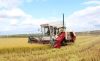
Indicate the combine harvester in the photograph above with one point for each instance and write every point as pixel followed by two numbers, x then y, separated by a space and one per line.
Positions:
pixel 54 34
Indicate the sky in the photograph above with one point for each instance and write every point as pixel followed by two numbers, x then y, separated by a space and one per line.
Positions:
pixel 25 16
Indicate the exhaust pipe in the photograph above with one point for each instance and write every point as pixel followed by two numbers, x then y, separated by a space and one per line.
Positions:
pixel 63 21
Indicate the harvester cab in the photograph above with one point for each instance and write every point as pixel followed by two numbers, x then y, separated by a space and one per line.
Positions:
pixel 47 31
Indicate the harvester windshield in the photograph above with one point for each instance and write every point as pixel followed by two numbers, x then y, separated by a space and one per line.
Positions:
pixel 48 30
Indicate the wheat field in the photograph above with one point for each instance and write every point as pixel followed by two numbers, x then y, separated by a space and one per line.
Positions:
pixel 86 48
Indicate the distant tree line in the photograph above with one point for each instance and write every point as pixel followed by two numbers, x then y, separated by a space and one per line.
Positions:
pixel 18 35
pixel 96 32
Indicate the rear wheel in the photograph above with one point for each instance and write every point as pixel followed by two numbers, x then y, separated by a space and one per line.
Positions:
pixel 63 43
